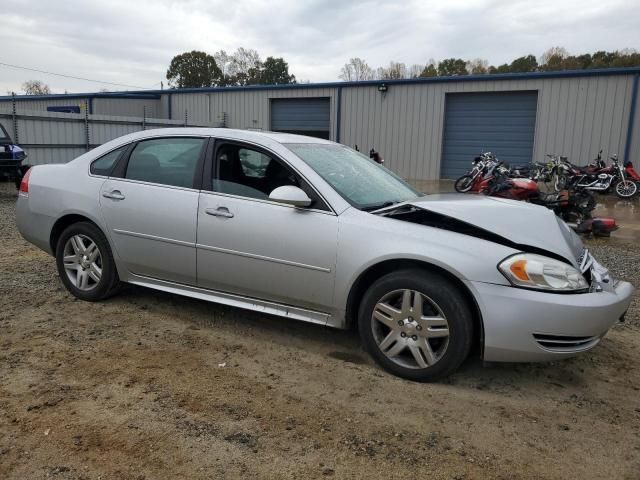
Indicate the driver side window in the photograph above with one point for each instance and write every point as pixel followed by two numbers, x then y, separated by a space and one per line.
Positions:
pixel 249 172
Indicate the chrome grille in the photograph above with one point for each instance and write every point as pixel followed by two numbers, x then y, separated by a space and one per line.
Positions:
pixel 585 261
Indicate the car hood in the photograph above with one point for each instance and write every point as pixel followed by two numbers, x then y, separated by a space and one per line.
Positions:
pixel 520 223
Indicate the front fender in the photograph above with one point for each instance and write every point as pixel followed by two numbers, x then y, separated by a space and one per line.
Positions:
pixel 369 241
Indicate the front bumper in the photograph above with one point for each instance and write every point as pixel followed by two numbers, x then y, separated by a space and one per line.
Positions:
pixel 563 324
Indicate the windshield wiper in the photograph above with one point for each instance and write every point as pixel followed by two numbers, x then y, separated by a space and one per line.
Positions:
pixel 377 206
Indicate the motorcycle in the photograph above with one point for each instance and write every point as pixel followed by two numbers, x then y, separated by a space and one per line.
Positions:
pixel 630 172
pixel 482 166
pixel 574 206
pixel 598 177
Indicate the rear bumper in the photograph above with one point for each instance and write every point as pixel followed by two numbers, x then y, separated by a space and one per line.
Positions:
pixel 34 227
pixel 563 324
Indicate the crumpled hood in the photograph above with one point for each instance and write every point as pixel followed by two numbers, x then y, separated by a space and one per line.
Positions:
pixel 519 222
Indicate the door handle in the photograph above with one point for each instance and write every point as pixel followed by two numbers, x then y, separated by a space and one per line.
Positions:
pixel 114 195
pixel 219 212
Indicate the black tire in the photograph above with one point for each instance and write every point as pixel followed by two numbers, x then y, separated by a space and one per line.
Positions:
pixel 463 184
pixel 109 281
pixel 450 301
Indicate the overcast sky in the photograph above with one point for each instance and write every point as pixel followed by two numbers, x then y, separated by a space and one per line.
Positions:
pixel 132 41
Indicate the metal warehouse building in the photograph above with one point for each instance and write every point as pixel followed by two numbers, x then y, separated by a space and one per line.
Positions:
pixel 425 128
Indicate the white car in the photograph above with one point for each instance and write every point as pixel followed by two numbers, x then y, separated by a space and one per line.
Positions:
pixel 312 230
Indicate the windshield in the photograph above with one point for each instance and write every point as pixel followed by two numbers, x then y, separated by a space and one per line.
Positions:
pixel 358 179
pixel 4 136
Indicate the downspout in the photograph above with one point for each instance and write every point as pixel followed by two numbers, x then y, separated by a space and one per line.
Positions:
pixel 169 105
pixel 338 113
pixel 632 117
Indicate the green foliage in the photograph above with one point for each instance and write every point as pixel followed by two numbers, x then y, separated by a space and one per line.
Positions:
pixel 452 66
pixel 192 70
pixel 527 63
pixel 243 67
pixel 429 71
pixel 273 71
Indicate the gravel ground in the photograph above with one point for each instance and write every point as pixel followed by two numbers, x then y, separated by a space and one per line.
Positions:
pixel 149 385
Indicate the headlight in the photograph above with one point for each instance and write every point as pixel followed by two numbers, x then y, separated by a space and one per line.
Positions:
pixel 535 271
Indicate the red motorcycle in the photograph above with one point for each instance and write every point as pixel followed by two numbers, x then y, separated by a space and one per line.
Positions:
pixel 573 206
pixel 630 173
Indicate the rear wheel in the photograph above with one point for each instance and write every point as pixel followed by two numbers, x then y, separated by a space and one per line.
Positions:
pixel 85 262
pixel 626 188
pixel 463 184
pixel 416 324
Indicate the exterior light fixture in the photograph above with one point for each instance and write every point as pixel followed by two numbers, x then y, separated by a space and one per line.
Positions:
pixel 383 87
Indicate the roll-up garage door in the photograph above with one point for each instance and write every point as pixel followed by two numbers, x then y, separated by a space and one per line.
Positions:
pixel 304 116
pixel 499 122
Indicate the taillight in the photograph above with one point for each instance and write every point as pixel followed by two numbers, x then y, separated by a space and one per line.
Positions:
pixel 24 184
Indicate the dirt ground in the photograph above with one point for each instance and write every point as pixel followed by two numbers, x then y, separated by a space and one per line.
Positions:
pixel 149 386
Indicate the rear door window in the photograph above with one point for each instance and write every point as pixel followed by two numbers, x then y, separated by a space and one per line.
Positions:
pixel 166 161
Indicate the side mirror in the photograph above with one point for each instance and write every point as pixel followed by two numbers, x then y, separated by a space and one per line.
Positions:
pixel 290 195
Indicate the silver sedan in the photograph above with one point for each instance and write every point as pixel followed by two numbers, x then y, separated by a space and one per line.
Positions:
pixel 312 230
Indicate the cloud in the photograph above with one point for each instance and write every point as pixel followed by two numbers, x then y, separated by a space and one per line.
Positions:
pixel 132 42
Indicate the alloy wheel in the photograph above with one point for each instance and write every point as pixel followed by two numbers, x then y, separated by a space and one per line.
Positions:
pixel 410 329
pixel 82 262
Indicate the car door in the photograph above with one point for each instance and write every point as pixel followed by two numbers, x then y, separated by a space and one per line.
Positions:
pixel 150 206
pixel 251 246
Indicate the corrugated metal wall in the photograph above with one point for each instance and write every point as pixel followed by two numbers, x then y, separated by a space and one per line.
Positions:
pixel 50 137
pixel 43 104
pixel 127 107
pixel 243 109
pixel 576 117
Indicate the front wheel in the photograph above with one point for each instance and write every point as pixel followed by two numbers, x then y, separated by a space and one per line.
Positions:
pixel 464 184
pixel 626 188
pixel 85 262
pixel 416 325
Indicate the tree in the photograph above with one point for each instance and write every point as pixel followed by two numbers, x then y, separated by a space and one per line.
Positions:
pixel 477 66
pixel 415 70
pixel 223 61
pixel 504 68
pixel 430 69
pixel 244 63
pixel 192 70
pixel 452 66
pixel 395 71
pixel 274 71
pixel 553 59
pixel 35 87
pixel 527 63
pixel 356 70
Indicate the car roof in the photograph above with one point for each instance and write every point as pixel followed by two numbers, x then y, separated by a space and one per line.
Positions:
pixel 231 133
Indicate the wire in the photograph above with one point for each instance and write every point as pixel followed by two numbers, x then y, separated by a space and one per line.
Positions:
pixel 71 76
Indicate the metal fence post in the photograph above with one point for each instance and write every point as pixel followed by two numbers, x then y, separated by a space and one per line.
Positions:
pixel 14 117
pixel 86 124
pixel 144 117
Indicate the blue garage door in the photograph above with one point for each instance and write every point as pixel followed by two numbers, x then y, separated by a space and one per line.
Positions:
pixel 502 123
pixel 304 116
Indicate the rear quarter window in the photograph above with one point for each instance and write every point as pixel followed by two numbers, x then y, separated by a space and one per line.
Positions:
pixel 104 165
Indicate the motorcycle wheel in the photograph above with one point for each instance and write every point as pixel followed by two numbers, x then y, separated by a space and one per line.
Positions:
pixel 463 184
pixel 626 188
pixel 559 182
